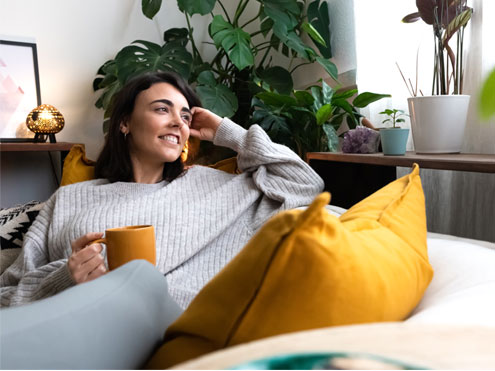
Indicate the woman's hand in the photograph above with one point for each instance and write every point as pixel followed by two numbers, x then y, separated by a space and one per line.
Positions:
pixel 204 124
pixel 86 263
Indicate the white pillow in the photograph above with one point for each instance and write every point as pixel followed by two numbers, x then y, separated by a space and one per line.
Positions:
pixel 463 287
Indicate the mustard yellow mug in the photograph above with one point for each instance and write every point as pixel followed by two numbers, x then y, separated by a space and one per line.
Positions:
pixel 129 243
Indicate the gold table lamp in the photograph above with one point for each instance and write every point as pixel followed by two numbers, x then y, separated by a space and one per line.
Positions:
pixel 44 120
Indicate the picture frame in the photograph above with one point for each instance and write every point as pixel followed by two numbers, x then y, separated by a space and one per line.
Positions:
pixel 19 89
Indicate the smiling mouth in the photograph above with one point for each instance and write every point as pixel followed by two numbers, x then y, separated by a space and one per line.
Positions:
pixel 170 138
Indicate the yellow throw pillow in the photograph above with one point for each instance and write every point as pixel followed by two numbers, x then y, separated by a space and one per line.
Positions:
pixel 228 165
pixel 310 269
pixel 77 167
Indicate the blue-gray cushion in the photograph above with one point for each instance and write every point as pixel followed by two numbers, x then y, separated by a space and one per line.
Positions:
pixel 113 322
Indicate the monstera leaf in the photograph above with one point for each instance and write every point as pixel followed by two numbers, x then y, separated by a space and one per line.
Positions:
pixel 234 41
pixel 181 35
pixel 144 56
pixel 282 12
pixel 191 7
pixel 214 96
pixel 271 121
pixel 110 83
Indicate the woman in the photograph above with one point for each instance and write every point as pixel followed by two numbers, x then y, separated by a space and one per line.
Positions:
pixel 202 216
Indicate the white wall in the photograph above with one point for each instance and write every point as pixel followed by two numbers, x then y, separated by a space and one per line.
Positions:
pixel 74 38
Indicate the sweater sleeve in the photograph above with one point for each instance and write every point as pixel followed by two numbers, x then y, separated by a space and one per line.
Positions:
pixel 33 276
pixel 277 171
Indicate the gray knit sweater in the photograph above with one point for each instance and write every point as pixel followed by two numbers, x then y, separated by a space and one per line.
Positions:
pixel 202 218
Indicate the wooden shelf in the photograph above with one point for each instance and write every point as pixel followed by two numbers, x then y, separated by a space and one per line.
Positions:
pixel 36 147
pixel 458 161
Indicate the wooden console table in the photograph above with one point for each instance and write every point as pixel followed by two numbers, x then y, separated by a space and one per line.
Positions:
pixel 350 177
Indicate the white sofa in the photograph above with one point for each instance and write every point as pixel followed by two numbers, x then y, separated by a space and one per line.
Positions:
pixel 462 293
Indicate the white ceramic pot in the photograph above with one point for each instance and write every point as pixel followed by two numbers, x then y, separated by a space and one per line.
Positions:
pixel 438 122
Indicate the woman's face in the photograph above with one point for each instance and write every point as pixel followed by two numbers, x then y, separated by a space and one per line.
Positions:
pixel 159 124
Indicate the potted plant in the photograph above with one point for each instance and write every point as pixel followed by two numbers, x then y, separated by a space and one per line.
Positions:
pixel 438 121
pixel 241 80
pixel 394 139
pixel 243 64
pixel 308 120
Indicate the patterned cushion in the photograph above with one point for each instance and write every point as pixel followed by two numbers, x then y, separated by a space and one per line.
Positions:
pixel 14 223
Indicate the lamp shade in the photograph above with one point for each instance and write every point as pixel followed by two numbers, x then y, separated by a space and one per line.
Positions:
pixel 45 119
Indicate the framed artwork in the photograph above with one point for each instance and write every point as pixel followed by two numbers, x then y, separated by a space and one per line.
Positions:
pixel 19 89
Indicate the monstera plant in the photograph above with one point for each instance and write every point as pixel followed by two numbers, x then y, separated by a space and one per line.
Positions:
pixel 243 62
pixel 241 81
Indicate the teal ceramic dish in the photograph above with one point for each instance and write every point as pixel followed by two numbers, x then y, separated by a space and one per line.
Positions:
pixel 326 361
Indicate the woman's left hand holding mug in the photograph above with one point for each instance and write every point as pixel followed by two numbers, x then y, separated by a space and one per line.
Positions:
pixel 86 261
pixel 204 124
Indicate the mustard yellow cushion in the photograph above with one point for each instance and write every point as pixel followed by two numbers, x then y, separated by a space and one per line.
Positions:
pixel 77 167
pixel 310 269
pixel 228 165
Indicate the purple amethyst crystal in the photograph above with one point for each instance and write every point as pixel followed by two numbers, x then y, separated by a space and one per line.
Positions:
pixel 361 140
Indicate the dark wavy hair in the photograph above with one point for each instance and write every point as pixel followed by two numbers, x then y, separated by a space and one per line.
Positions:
pixel 114 161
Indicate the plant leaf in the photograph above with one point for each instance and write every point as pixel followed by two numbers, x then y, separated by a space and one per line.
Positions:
pixel 136 59
pixel 317 96
pixel 363 99
pixel 330 67
pixel 275 99
pixel 278 78
pixel 320 20
pixel 192 7
pixel 294 42
pixel 327 93
pixel 283 12
pixel 207 78
pixel 304 98
pixel 332 137
pixel 234 41
pixel 150 7
pixel 487 97
pixel 426 9
pixel 274 124
pixel 460 21
pixel 344 104
pixel 323 114
pixel 180 35
pixel 311 31
pixel 214 96
pixel 410 18
pixel 345 94
pixel 266 26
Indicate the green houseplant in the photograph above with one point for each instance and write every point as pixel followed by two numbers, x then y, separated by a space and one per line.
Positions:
pixel 308 120
pixel 241 81
pixel 242 65
pixel 438 121
pixel 394 139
